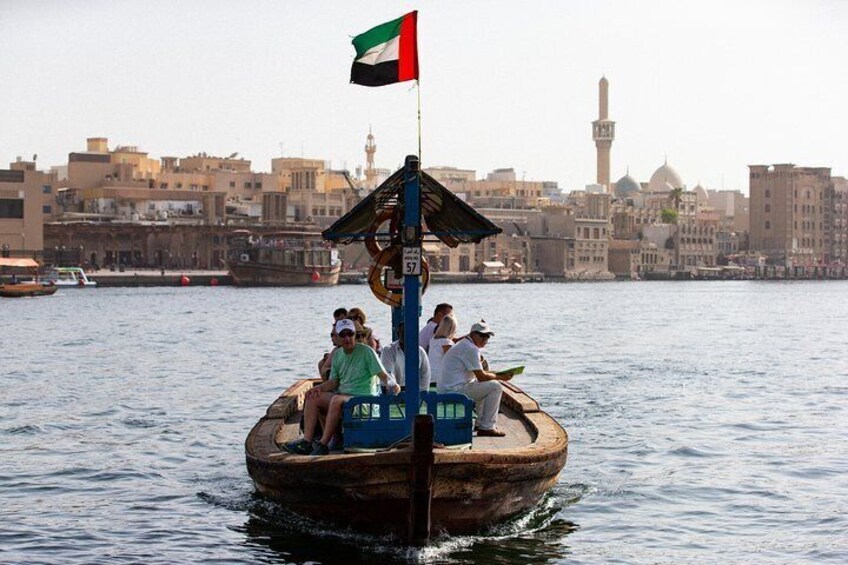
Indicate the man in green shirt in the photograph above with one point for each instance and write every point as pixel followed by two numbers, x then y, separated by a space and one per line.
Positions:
pixel 354 372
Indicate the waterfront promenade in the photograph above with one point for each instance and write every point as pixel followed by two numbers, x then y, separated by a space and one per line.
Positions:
pixel 156 277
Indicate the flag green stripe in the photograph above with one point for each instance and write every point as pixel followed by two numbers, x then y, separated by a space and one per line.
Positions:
pixel 375 36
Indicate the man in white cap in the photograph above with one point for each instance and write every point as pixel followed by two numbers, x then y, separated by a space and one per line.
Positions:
pixel 462 371
pixel 353 373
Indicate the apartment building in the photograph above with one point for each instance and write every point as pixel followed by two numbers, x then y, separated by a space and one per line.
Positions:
pixel 791 213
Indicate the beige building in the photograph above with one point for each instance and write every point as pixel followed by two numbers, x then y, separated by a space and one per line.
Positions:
pixel 297 173
pixel 791 213
pixel 839 245
pixel 449 176
pixel 637 259
pixel 26 199
pixel 572 241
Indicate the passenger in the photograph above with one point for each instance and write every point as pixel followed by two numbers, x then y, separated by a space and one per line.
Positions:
pixel 394 361
pixel 326 362
pixel 358 315
pixel 462 371
pixel 443 340
pixel 353 373
pixel 426 333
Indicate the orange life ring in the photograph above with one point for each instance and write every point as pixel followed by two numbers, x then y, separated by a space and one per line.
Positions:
pixel 384 260
pixel 371 244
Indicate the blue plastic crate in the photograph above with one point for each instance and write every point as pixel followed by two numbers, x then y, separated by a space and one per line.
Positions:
pixel 371 422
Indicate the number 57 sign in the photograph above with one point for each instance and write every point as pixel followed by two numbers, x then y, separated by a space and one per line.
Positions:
pixel 412 261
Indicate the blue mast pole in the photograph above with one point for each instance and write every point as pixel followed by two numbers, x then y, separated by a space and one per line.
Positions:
pixel 411 237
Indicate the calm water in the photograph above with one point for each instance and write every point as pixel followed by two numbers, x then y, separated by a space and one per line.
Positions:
pixel 708 422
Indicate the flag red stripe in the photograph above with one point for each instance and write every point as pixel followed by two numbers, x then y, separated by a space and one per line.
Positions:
pixel 408 50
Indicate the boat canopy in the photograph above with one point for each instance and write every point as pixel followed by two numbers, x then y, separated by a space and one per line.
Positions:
pixel 447 217
pixel 23 263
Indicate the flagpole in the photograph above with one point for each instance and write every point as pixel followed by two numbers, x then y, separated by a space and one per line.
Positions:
pixel 418 84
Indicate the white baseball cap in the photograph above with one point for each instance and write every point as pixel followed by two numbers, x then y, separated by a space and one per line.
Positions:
pixel 345 324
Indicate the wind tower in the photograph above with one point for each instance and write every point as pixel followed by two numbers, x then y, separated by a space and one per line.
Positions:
pixel 603 132
pixel 370 171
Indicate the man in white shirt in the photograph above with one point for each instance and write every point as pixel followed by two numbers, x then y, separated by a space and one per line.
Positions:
pixel 462 371
pixel 426 333
pixel 394 361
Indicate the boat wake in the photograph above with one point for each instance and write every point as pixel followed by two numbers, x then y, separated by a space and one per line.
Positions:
pixel 535 535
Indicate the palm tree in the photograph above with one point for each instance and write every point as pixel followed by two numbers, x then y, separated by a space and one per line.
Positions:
pixel 676 195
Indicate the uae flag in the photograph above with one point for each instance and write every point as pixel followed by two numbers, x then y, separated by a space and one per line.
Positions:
pixel 387 53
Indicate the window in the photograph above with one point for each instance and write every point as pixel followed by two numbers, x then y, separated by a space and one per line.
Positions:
pixel 179 185
pixel 11 208
pixel 232 184
pixel 247 185
pixel 46 189
pixel 257 185
pixel 163 185
pixel 768 207
pixel 768 225
pixel 46 209
pixel 768 193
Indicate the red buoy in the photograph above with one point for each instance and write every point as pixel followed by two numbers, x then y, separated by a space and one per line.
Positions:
pixel 214 281
pixel 316 276
pixel 184 280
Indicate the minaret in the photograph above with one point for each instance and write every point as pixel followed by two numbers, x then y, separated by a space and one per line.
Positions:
pixel 603 132
pixel 370 171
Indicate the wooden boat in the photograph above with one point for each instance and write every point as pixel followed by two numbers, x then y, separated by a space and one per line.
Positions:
pixel 290 258
pixel 495 479
pixel 27 288
pixel 460 485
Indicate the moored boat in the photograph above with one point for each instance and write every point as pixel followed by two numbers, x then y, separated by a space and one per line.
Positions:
pixel 29 288
pixel 289 258
pixel 16 289
pixel 70 277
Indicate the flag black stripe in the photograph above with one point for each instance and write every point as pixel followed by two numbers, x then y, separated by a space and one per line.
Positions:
pixel 374 75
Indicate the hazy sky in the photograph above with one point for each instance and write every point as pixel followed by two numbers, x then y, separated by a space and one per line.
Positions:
pixel 713 85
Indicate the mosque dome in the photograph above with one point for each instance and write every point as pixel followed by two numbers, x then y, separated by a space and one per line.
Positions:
pixel 663 176
pixel 626 185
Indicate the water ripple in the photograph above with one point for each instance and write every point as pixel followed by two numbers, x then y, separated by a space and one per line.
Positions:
pixel 692 439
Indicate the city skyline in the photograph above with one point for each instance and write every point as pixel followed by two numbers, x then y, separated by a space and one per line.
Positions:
pixel 711 88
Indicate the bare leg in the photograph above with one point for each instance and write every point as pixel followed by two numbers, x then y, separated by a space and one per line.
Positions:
pixel 314 406
pixel 334 416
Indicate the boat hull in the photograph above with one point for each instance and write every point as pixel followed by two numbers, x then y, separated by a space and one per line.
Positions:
pixel 251 273
pixel 472 489
pixel 26 289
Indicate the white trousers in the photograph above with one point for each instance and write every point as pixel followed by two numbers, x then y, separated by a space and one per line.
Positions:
pixel 487 398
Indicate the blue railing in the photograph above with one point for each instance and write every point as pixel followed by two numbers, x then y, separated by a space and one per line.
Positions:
pixel 371 422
